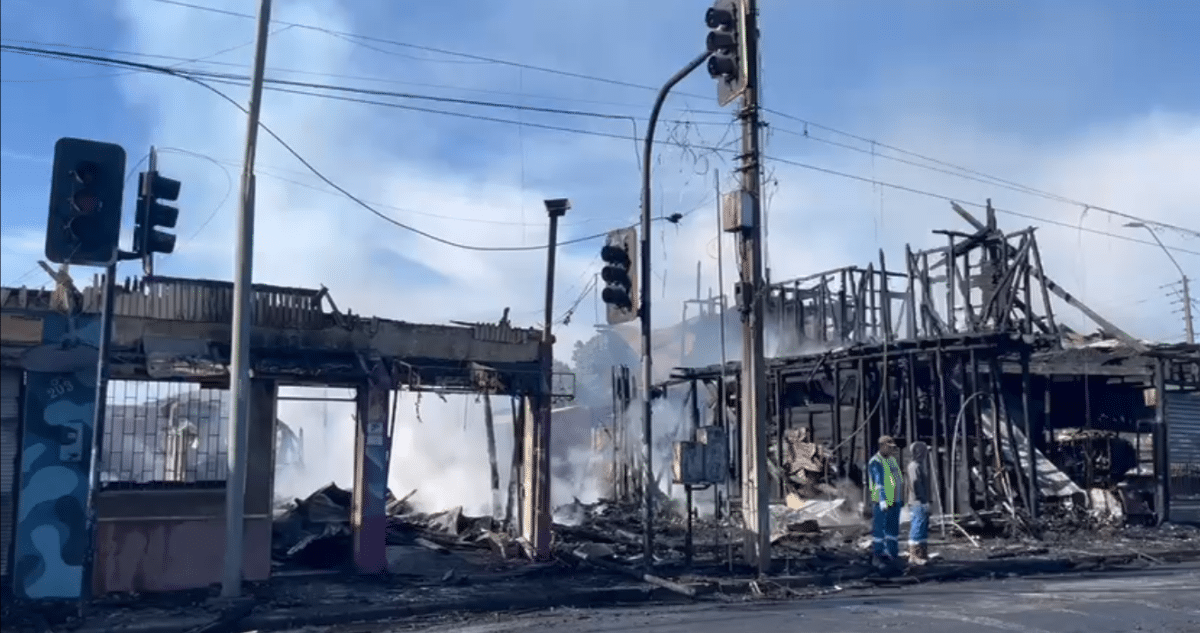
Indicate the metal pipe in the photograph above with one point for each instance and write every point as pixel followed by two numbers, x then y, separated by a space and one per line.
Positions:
pixel 647 376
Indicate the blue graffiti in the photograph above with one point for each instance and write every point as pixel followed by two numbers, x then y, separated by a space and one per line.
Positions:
pixel 51 539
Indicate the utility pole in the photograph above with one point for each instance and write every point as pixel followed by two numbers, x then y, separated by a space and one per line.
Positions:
pixel 239 369
pixel 755 489
pixel 1187 312
pixel 1188 325
pixel 537 435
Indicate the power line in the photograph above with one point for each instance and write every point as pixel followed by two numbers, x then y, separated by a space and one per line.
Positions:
pixel 320 175
pixel 228 186
pixel 428 49
pixel 235 81
pixel 628 84
pixel 206 60
pixel 266 171
pixel 190 76
pixel 947 198
pixel 963 172
pixel 958 170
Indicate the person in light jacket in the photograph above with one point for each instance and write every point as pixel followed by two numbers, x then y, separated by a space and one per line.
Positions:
pixel 918 503
pixel 887 493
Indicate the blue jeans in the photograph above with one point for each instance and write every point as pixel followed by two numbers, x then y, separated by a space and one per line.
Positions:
pixel 885 530
pixel 918 530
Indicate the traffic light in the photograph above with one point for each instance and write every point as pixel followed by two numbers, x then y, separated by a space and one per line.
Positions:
pixel 151 214
pixel 86 186
pixel 725 41
pixel 620 276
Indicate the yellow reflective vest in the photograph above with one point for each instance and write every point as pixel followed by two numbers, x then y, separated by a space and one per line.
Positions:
pixel 887 470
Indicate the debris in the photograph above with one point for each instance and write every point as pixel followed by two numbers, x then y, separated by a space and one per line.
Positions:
pixel 594 550
pixel 1105 507
pixel 430 545
pixel 1020 552
pixel 806 463
pixel 584 556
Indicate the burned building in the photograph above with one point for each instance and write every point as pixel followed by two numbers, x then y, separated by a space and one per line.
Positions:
pixel 959 346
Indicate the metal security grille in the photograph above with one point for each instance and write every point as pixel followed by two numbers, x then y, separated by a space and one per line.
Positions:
pixel 164 432
pixel 10 446
pixel 1183 456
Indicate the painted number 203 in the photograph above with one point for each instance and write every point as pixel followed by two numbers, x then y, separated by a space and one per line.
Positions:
pixel 59 387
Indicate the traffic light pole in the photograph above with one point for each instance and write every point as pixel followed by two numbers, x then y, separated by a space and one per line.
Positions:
pixel 239 366
pixel 647 374
pixel 100 411
pixel 755 491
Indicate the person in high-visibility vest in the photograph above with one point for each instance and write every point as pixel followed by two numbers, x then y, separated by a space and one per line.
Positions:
pixel 887 493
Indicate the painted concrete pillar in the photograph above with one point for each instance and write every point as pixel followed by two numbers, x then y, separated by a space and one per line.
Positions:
pixel 51 527
pixel 372 450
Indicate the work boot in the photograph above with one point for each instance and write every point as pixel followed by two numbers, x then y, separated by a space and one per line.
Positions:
pixel 917 554
pixel 924 550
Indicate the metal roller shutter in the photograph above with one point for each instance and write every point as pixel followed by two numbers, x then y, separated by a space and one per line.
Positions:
pixel 1183 456
pixel 10 440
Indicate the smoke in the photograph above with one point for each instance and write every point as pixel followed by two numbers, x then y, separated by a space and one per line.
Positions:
pixel 439 449
pixel 439 446
pixel 326 428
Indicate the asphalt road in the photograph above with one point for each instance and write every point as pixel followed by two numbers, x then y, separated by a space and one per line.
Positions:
pixel 1163 599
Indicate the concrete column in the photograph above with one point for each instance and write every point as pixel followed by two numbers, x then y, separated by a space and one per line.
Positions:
pixel 535 515
pixel 372 448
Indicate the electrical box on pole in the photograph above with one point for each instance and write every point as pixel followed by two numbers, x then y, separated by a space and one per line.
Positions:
pixel 153 190
pixel 620 274
pixel 727 43
pixel 86 187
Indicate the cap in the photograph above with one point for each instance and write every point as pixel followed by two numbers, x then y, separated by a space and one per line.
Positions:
pixel 886 440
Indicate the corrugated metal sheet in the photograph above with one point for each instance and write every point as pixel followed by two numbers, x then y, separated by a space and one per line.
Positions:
pixel 1183 454
pixel 10 440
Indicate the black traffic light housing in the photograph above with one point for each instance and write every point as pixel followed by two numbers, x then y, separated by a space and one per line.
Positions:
pixel 86 187
pixel 620 275
pixel 727 64
pixel 153 189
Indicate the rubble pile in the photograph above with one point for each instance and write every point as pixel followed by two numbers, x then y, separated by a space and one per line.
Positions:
pixel 807 464
pixel 315 532
pixel 450 547
pixel 617 528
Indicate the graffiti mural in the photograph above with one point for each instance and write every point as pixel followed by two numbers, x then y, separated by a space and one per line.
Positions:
pixel 51 529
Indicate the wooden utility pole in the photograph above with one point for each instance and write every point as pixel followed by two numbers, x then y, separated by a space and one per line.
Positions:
pixel 536 502
pixel 755 488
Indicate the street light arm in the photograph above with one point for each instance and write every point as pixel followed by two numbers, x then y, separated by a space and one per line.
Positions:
pixel 647 425
pixel 1166 250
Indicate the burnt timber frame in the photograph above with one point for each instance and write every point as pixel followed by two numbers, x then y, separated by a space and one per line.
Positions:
pixel 960 347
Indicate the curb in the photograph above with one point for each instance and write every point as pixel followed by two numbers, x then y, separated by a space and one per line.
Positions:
pixel 612 596
pixel 333 615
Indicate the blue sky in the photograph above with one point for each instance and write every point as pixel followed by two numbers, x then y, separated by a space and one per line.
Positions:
pixel 1096 101
pixel 1092 100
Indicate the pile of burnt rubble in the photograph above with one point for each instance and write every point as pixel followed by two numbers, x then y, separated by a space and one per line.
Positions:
pixel 315 533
